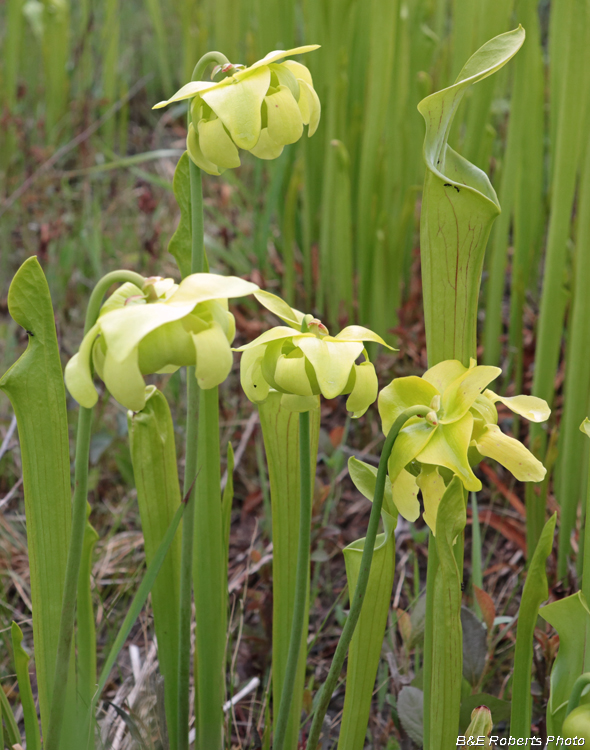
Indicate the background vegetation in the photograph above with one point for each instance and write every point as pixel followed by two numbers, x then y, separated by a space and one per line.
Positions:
pixel 85 184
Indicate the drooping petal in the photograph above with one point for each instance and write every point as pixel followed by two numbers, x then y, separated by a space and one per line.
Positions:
pixel 274 334
pixel 409 443
pixel 532 408
pixel 124 381
pixel 169 345
pixel 300 71
pixel 310 106
pixel 511 453
pixel 285 78
pixel 255 386
pixel 443 374
pixel 331 360
pixel 216 145
pixel 285 125
pixel 359 333
pixel 291 376
pixel 214 356
pixel 405 495
pixel 460 394
pixel 401 394
pixel 78 374
pixel 364 391
pixel 266 148
pixel 188 91
pixel 194 151
pixel 279 54
pixel 449 448
pixel 433 488
pixel 238 104
pixel 280 308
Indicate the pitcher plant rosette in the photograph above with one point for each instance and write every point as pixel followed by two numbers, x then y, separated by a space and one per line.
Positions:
pixel 261 108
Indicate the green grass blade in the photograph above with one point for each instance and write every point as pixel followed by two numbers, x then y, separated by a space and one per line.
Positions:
pixel 577 382
pixel 459 206
pixel 155 13
pixel 110 77
pixel 21 663
pixel 280 430
pixel 11 727
pixel 35 387
pixel 534 594
pixel 153 452
pixel 365 648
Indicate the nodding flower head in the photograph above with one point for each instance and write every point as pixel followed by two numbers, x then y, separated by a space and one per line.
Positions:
pixel 460 427
pixel 301 360
pixel 261 109
pixel 157 329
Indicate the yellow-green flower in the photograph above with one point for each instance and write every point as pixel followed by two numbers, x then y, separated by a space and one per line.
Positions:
pixel 158 329
pixel 461 424
pixel 259 109
pixel 302 360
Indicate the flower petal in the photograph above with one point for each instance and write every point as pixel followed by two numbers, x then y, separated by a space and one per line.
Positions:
pixel 278 332
pixel 532 408
pixel 266 148
pixel 216 145
pixel 411 440
pixel 202 287
pixel 401 394
pixel 405 495
pixel 585 427
pixel 460 394
pixel 278 54
pixel 214 356
pixel 359 333
pixel 188 91
pixel 443 374
pixel 238 105
pixel 433 488
pixel 78 372
pixel 485 408
pixel 449 448
pixel 280 308
pixel 331 360
pixel 364 391
pixel 511 453
pixel 194 151
pixel 300 71
pixel 124 381
pixel 290 374
pixel 311 110
pixel 285 125
pixel 255 386
pixel 299 404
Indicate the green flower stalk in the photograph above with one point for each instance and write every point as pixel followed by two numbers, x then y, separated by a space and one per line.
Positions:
pixel 261 109
pixel 460 428
pixel 157 329
pixel 301 360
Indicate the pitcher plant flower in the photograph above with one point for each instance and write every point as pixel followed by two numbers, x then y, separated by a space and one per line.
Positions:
pixel 302 360
pixel 459 429
pixel 158 329
pixel 260 108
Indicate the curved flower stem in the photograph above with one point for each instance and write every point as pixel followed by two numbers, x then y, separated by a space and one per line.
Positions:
pixel 357 601
pixel 431 568
pixel 579 685
pixel 301 584
pixel 68 611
